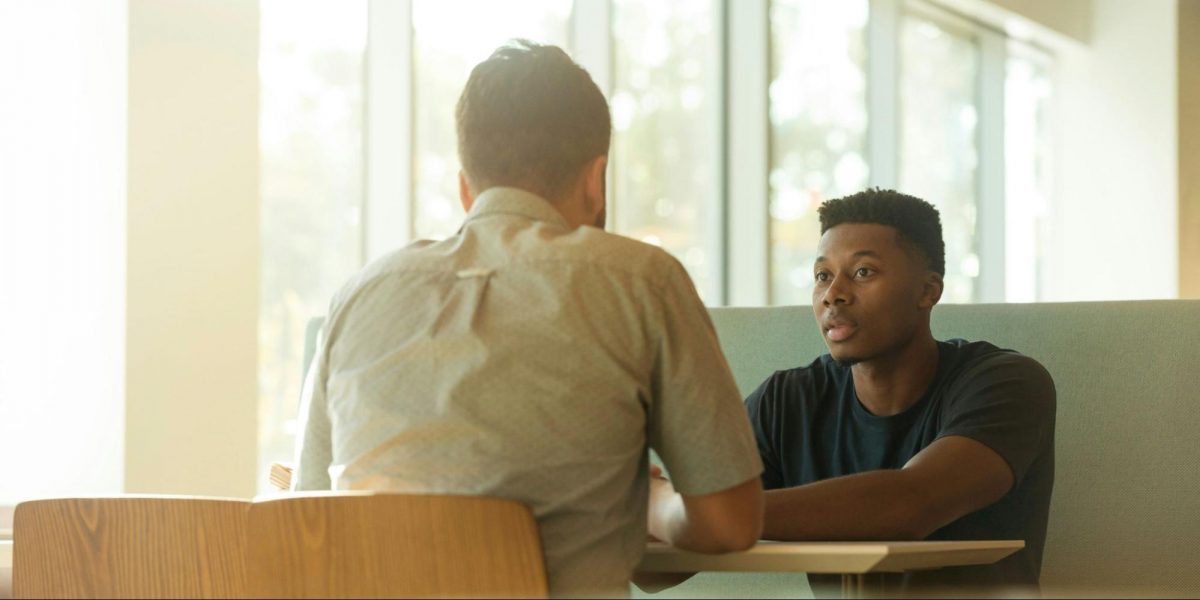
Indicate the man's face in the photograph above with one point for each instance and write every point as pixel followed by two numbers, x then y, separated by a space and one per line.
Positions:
pixel 871 291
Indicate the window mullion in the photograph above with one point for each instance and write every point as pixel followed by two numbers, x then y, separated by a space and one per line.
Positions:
pixel 991 215
pixel 883 98
pixel 388 128
pixel 747 156
pixel 591 40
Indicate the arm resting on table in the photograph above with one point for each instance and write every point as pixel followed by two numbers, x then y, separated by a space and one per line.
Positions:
pixel 951 478
pixel 725 521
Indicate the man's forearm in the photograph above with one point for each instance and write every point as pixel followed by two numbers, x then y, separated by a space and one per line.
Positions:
pixel 669 522
pixel 876 505
pixel 725 521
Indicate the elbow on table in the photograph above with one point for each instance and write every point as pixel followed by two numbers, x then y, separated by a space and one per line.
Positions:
pixel 735 535
pixel 726 521
pixel 922 522
pixel 744 542
pixel 724 542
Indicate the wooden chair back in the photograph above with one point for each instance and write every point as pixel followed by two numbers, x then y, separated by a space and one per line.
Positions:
pixel 130 547
pixel 350 545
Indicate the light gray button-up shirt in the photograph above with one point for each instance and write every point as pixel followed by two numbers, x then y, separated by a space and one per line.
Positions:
pixel 523 359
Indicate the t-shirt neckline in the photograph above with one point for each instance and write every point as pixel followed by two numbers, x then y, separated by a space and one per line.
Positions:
pixel 905 417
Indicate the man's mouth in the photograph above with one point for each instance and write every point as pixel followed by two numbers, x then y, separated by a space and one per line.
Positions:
pixel 840 333
pixel 838 330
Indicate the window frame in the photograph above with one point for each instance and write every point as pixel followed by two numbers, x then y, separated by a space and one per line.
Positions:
pixel 739 238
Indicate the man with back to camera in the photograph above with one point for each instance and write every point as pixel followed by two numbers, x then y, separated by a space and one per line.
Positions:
pixel 894 435
pixel 535 357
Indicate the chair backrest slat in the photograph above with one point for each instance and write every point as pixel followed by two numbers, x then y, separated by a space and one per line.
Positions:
pixel 341 545
pixel 130 547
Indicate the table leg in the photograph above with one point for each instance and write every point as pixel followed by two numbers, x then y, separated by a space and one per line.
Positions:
pixel 852 585
pixel 863 585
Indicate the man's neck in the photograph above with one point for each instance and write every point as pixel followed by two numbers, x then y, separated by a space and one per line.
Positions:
pixel 888 385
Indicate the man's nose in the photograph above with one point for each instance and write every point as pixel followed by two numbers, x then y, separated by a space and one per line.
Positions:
pixel 837 292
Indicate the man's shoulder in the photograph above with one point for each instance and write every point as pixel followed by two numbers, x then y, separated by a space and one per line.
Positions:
pixel 982 366
pixel 533 246
pixel 413 256
pixel 979 358
pixel 612 251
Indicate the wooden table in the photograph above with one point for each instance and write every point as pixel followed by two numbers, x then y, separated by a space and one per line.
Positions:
pixel 852 560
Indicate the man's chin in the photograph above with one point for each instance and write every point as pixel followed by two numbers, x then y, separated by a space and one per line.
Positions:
pixel 845 360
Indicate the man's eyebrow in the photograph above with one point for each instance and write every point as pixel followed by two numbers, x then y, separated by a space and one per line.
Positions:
pixel 859 254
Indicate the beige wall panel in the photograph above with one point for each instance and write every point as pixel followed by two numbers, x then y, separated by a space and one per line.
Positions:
pixel 1189 149
pixel 193 247
pixel 1072 18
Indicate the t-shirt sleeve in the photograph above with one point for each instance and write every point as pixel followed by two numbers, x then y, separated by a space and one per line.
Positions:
pixel 697 423
pixel 1007 402
pixel 762 405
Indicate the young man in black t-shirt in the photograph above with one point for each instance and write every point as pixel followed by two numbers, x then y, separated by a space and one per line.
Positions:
pixel 894 435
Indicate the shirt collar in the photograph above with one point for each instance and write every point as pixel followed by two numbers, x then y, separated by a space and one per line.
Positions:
pixel 513 201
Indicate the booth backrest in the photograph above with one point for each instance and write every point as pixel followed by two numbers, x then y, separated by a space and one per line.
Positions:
pixel 1125 515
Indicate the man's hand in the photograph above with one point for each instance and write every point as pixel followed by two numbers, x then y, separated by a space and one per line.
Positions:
pixel 661 491
pixel 726 521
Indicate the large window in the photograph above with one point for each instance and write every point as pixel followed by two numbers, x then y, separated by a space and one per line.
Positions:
pixel 666 148
pixel 733 120
pixel 310 134
pixel 938 154
pixel 818 115
pixel 1027 150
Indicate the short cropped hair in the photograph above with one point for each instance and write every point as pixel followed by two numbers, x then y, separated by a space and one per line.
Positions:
pixel 917 221
pixel 530 117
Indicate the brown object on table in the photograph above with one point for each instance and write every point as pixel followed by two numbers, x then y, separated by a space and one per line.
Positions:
pixel 347 545
pixel 130 547
pixel 280 476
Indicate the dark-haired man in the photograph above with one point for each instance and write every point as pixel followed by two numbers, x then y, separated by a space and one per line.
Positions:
pixel 894 435
pixel 533 356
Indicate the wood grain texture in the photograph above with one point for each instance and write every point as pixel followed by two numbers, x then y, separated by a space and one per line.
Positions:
pixel 130 547
pixel 344 545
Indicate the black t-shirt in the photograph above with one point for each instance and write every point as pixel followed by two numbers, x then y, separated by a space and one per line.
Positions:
pixel 810 426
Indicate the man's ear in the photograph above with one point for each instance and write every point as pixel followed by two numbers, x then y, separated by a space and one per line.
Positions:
pixel 464 192
pixel 931 290
pixel 594 189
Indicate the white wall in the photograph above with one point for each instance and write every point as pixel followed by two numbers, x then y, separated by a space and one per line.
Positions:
pixel 1114 234
pixel 192 399
pixel 62 245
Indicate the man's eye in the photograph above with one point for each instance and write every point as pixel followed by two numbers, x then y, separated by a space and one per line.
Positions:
pixel 862 272
pixel 822 276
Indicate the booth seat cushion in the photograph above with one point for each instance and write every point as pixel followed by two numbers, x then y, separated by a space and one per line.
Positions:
pixel 1125 514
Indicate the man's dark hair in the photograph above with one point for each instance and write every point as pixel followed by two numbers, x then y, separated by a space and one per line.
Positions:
pixel 917 220
pixel 530 117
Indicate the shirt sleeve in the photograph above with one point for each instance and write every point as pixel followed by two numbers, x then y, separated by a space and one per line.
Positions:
pixel 762 407
pixel 697 423
pixel 314 446
pixel 1007 402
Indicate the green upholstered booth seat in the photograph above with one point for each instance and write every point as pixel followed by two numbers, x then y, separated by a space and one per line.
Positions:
pixel 1125 515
